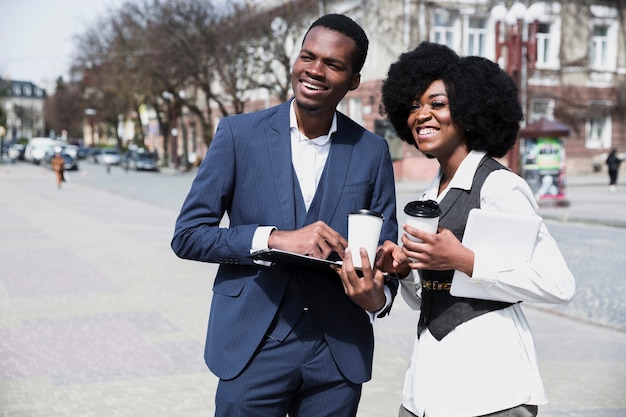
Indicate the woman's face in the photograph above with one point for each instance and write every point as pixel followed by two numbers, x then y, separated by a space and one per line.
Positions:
pixel 431 123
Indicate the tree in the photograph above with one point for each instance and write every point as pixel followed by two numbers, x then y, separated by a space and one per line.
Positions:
pixel 64 109
pixel 216 55
pixel 272 38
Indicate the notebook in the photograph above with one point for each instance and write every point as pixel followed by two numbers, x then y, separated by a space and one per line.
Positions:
pixel 294 259
pixel 500 234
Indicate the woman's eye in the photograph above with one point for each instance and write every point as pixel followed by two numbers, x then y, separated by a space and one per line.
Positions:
pixel 414 107
pixel 438 104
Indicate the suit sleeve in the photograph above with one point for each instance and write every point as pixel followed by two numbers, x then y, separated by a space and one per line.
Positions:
pixel 197 233
pixel 384 201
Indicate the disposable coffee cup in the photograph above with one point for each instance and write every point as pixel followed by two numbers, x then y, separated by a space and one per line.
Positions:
pixel 364 227
pixel 422 215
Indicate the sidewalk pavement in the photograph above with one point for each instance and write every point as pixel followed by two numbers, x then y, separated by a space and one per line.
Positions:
pixel 587 200
pixel 99 318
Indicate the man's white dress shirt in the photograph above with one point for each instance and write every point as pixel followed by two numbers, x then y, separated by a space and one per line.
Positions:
pixel 308 157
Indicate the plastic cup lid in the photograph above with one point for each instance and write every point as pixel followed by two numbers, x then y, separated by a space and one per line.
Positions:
pixel 368 212
pixel 423 208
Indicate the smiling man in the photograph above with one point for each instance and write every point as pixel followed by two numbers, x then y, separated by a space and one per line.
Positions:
pixel 284 339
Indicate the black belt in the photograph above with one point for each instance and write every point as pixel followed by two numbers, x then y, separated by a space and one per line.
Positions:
pixel 436 285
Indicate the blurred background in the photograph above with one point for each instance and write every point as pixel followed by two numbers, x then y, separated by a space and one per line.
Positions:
pixel 156 76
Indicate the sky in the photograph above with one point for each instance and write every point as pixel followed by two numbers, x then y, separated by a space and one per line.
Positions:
pixel 36 36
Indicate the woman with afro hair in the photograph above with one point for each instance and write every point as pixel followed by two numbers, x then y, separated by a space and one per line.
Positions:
pixel 471 357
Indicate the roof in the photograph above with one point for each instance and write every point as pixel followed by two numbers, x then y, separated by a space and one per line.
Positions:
pixel 544 127
pixel 21 89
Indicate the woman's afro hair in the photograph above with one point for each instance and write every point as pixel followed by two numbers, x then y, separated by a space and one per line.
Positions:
pixel 483 98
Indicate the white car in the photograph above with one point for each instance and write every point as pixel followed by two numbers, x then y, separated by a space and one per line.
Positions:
pixel 38 147
pixel 109 156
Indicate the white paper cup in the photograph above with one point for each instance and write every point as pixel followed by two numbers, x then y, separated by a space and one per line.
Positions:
pixel 364 227
pixel 422 215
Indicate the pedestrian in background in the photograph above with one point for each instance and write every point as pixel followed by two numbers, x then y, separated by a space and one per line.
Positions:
pixel 58 166
pixel 287 339
pixel 613 163
pixel 471 356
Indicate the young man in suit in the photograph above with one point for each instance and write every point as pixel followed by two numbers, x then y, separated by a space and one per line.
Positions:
pixel 284 339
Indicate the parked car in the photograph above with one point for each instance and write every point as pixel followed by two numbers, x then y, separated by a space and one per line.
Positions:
pixel 70 163
pixel 38 147
pixel 109 156
pixel 71 150
pixel 16 152
pixel 140 161
pixel 93 155
pixel 83 152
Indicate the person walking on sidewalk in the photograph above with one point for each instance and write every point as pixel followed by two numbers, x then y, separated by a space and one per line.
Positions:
pixel 58 166
pixel 471 356
pixel 285 339
pixel 613 163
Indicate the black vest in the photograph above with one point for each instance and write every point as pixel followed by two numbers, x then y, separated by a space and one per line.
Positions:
pixel 441 312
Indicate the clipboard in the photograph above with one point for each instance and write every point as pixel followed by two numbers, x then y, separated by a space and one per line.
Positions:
pixel 500 234
pixel 294 259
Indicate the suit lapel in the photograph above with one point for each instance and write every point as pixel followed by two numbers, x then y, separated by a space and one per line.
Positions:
pixel 335 172
pixel 279 149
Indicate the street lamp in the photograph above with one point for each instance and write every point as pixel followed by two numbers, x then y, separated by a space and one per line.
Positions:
pixel 91 115
pixel 183 112
pixel 173 125
pixel 521 50
pixel 3 131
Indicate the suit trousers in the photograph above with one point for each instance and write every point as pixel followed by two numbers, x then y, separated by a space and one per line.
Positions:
pixel 296 377
pixel 523 410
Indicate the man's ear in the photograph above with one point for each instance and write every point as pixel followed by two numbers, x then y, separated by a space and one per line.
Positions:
pixel 356 81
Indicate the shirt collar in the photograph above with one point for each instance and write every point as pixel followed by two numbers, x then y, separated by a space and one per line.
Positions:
pixel 464 175
pixel 320 140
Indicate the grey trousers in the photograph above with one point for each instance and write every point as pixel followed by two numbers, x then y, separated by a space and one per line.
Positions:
pixel 519 411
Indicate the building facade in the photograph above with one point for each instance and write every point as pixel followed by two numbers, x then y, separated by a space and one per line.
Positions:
pixel 568 58
pixel 23 103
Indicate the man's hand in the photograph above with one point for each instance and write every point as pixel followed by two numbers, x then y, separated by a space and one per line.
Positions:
pixel 317 240
pixel 368 290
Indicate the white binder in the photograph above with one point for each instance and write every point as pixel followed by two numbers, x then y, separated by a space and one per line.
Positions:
pixel 498 234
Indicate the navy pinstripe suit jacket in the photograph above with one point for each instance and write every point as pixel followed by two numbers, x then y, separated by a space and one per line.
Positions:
pixel 248 174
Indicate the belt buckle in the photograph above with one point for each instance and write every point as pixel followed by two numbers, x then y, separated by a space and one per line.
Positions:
pixel 436 286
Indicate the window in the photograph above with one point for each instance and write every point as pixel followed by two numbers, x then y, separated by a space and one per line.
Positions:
pixel 476 35
pixel 443 31
pixel 598 127
pixel 603 42
pixel 599 47
pixel 598 133
pixel 541 107
pixel 543 44
pixel 548 42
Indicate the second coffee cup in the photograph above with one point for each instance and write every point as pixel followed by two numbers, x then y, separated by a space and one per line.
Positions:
pixel 364 227
pixel 423 215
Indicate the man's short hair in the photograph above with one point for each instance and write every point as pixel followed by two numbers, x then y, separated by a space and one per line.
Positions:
pixel 348 27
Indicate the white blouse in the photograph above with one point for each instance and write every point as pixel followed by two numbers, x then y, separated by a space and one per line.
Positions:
pixel 488 363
